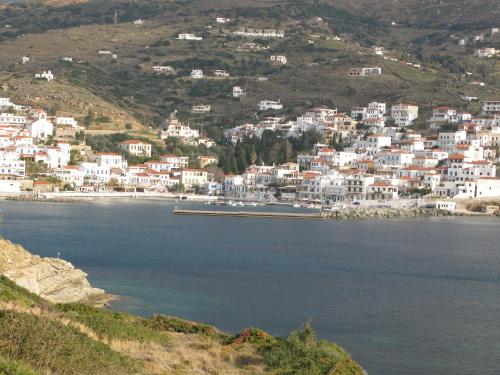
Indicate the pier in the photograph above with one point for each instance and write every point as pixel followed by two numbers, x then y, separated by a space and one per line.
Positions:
pixel 262 214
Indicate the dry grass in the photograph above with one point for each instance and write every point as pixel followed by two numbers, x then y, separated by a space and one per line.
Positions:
pixel 193 354
pixel 185 353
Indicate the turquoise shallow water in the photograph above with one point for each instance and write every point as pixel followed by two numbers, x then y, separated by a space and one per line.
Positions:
pixel 412 296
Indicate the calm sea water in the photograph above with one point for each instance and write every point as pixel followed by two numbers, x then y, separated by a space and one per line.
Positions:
pixel 412 296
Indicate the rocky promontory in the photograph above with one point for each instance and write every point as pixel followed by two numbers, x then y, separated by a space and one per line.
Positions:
pixel 56 280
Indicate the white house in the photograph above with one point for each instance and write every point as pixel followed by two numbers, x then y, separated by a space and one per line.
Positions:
pixel 278 59
pixel 404 114
pixel 491 107
pixel 222 20
pixel 62 120
pixel 197 73
pixel 186 36
pixel 486 52
pixel 220 73
pixel 40 128
pixel 45 75
pixel 364 72
pixel 202 108
pixel 177 162
pixel 265 105
pixel 71 174
pixel 163 69
pixel 136 147
pixel 110 159
pixel 238 92
pixel 193 177
pixel 10 119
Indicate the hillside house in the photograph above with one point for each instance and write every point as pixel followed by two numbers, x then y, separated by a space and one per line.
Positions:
pixel 47 75
pixel 220 73
pixel 163 69
pixel 177 162
pixel 491 107
pixel 404 114
pixel 197 74
pixel 186 36
pixel 259 33
pixel 364 72
pixel 204 108
pixel 222 20
pixel 238 92
pixel 278 59
pixel 486 52
pixel 172 127
pixel 40 127
pixel 136 147
pixel 265 105
pixel 205 160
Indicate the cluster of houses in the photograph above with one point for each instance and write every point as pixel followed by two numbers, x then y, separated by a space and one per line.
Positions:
pixel 325 120
pixel 379 163
pixel 49 143
pixel 375 163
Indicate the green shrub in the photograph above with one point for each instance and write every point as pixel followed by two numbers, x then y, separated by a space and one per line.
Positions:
pixel 302 354
pixel 164 323
pixel 112 325
pixel 50 347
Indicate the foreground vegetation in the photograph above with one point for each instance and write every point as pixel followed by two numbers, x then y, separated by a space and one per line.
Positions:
pixel 37 337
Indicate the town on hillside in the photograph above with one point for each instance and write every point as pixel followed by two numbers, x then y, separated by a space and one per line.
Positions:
pixel 369 156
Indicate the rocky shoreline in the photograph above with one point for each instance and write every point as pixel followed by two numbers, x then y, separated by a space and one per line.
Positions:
pixel 386 213
pixel 55 280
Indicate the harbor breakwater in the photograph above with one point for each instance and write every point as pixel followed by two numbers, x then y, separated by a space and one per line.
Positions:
pixel 385 213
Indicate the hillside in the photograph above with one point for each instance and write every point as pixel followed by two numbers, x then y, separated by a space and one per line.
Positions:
pixel 124 93
pixel 38 337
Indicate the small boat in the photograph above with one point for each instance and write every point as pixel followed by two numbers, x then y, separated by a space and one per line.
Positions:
pixel 296 205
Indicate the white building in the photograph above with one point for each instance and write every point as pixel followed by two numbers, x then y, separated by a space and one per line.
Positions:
pixel 197 73
pixel 110 159
pixel 186 36
pixel 163 69
pixel 265 105
pixel 404 114
pixel 136 147
pixel 10 119
pixel 45 75
pixel 222 20
pixel 40 128
pixel 238 92
pixel 260 33
pixel 486 52
pixel 177 162
pixel 220 73
pixel 278 59
pixel 62 120
pixel 365 72
pixel 202 108
pixel 194 177
pixel 491 107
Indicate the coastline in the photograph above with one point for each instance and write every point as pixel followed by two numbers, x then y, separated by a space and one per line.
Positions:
pixel 53 279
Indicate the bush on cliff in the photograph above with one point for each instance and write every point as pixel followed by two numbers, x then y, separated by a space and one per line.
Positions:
pixel 112 325
pixel 51 347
